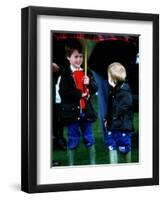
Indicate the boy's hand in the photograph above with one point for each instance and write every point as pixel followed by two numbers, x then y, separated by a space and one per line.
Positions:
pixel 86 80
pixel 105 124
pixel 86 95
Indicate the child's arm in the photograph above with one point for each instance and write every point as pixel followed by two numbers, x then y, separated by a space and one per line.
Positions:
pixel 124 103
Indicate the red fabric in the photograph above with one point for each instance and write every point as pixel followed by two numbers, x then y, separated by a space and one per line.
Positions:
pixel 78 77
pixel 98 37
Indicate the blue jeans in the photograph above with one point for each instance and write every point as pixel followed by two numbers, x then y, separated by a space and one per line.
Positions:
pixel 74 134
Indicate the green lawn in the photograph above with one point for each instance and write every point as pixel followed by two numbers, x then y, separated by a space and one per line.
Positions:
pixel 102 156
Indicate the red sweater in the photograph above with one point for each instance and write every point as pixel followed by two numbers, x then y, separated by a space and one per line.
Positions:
pixel 78 76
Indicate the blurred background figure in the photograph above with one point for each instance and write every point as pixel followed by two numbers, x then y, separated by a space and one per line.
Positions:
pixel 58 140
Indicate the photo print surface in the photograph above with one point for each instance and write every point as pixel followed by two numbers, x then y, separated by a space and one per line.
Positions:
pixel 95 98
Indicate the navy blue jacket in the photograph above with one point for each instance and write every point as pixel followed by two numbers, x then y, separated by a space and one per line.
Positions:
pixel 70 99
pixel 120 114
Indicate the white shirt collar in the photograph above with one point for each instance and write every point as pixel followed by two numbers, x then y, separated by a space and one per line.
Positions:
pixel 74 69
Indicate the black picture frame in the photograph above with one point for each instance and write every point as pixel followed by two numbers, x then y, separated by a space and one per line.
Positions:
pixel 29 98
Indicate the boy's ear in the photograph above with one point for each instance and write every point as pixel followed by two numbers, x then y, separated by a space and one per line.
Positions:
pixel 68 58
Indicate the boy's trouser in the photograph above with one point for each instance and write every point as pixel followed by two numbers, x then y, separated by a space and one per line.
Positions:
pixel 74 134
pixel 119 140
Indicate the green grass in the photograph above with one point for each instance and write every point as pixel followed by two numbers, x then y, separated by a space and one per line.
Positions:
pixel 102 155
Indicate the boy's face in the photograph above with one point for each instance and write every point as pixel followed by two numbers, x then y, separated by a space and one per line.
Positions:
pixel 76 59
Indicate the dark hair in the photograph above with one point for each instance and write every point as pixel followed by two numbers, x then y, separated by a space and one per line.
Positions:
pixel 71 45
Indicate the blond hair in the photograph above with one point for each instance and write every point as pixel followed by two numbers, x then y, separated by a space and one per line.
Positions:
pixel 117 72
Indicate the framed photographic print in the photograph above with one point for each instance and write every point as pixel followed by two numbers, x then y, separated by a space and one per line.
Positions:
pixel 90 99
